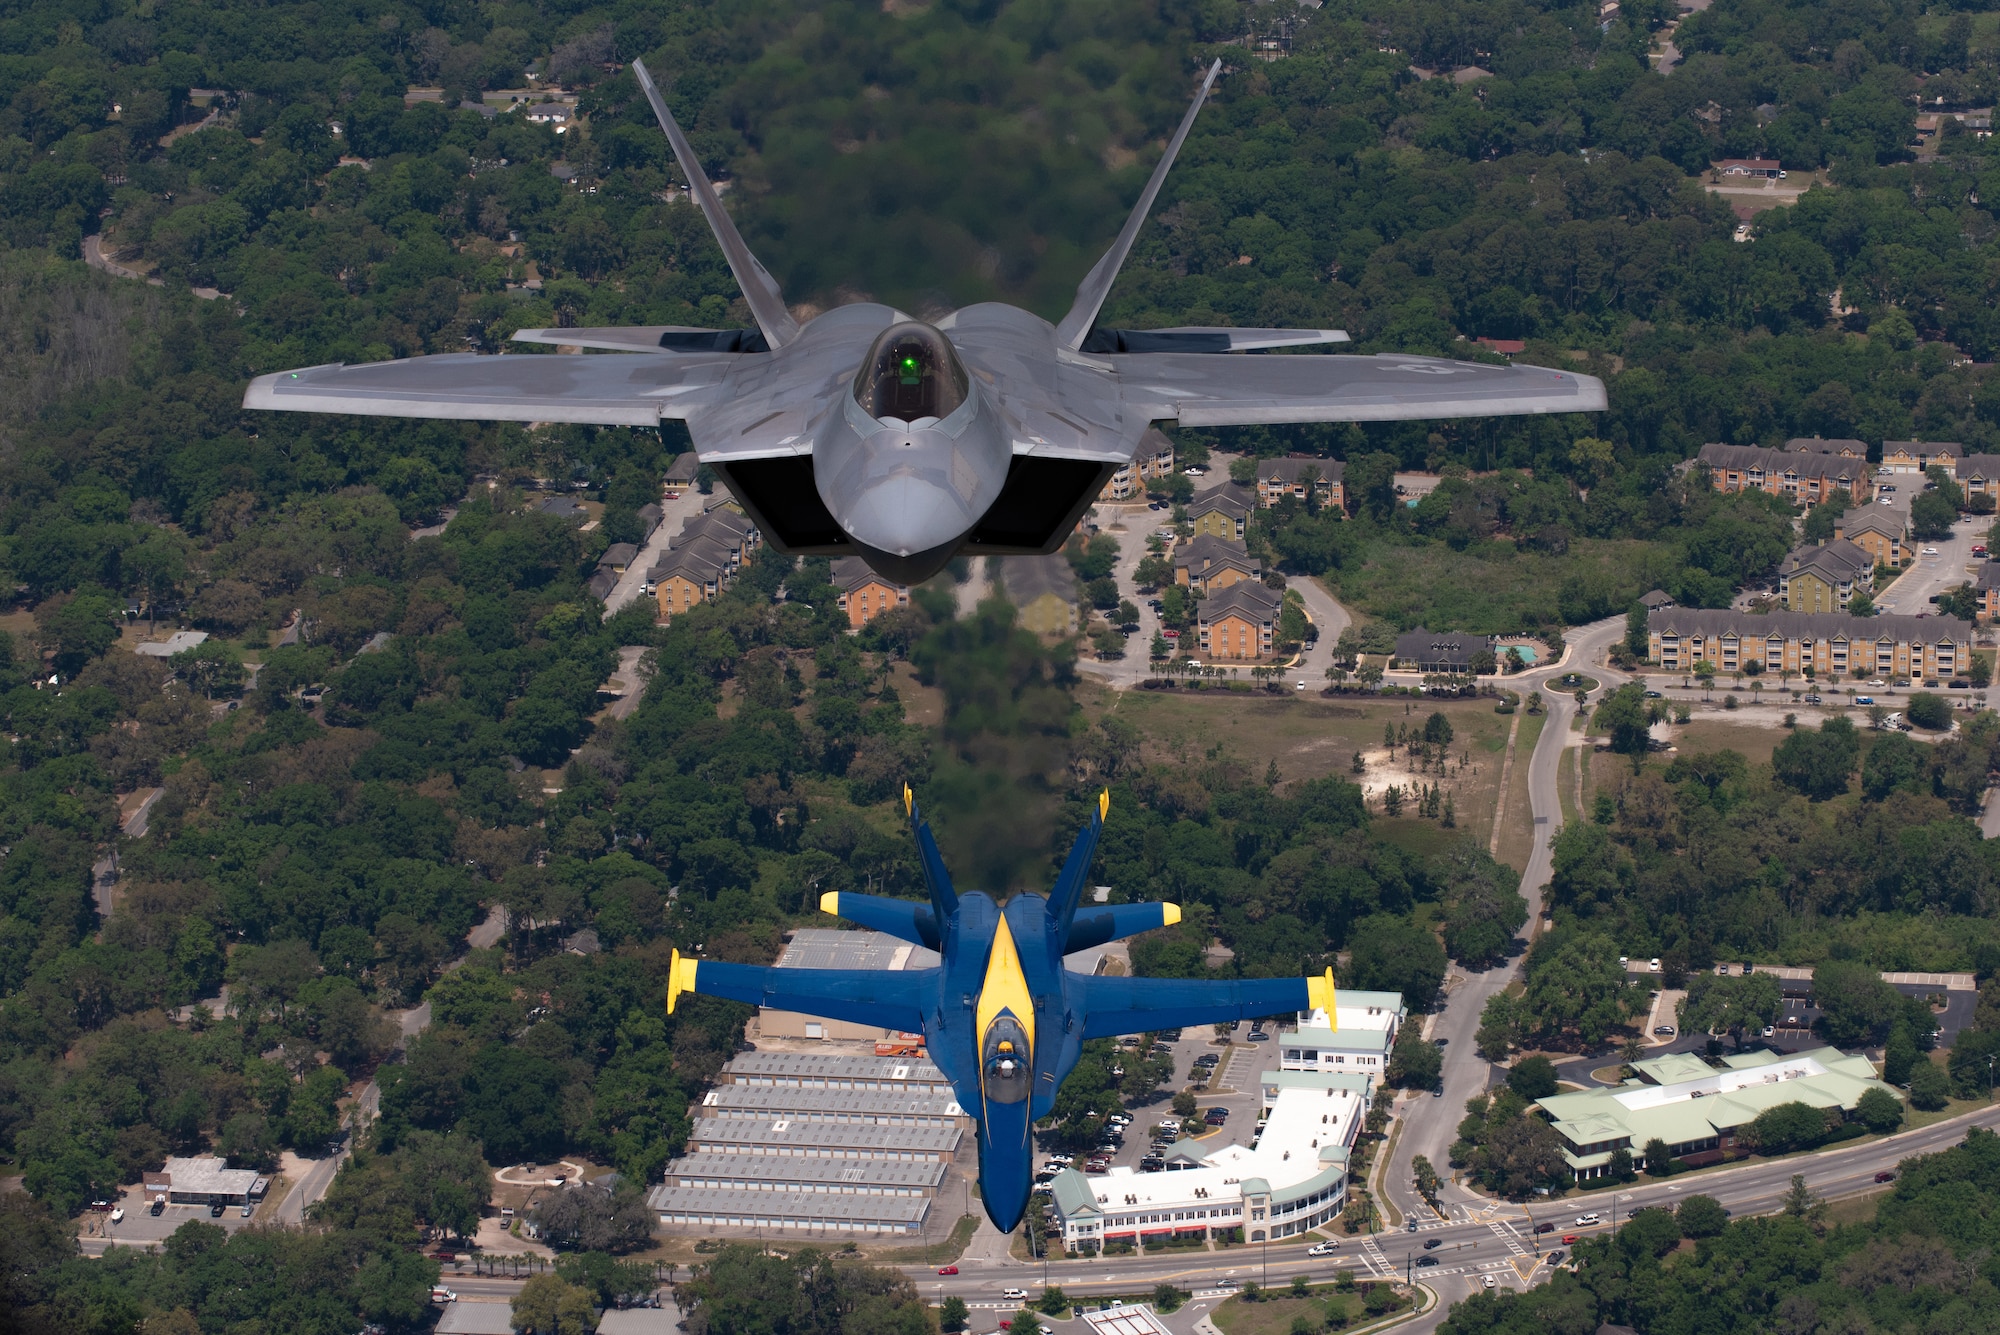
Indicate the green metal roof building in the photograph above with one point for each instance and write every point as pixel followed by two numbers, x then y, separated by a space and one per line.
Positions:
pixel 1698 1109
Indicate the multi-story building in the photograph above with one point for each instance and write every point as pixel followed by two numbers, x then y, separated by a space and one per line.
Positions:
pixel 689 576
pixel 1295 475
pixel 1043 590
pixel 865 595
pixel 1356 1037
pixel 1440 650
pixel 1801 477
pixel 1209 565
pixel 1979 474
pixel 1920 456
pixel 1841 446
pixel 1222 512
pixel 1154 459
pixel 1239 623
pixel 1831 644
pixel 1986 589
pixel 1879 530
pixel 1821 577
pixel 1293 1180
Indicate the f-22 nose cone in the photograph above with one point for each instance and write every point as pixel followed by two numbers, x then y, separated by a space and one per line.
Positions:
pixel 907 526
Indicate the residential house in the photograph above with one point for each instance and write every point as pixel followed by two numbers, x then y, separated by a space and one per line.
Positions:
pixel 1979 474
pixel 1043 590
pixel 1761 169
pixel 1222 512
pixel 562 507
pixel 1920 456
pixel 1209 565
pixel 1800 477
pixel 865 595
pixel 1830 643
pixel 617 557
pixel 681 473
pixel 649 519
pixel 1657 600
pixel 1440 651
pixel 1881 531
pixel 1821 577
pixel 601 583
pixel 1295 474
pixel 1240 622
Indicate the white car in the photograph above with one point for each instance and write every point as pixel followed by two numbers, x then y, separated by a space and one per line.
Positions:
pixel 1930 551
pixel 118 1215
pixel 1586 1220
pixel 1014 1295
pixel 441 1294
pixel 1323 1249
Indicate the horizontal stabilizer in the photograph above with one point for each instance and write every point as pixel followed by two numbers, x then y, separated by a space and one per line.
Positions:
pixel 1095 924
pixel 651 338
pixel 1204 338
pixel 904 919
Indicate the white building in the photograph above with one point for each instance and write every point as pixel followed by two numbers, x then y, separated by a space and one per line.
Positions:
pixel 1292 1180
pixel 1357 1037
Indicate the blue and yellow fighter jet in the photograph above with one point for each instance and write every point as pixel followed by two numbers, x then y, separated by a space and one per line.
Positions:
pixel 1003 1019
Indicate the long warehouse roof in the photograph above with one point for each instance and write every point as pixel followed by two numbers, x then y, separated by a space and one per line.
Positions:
pixel 724 1205
pixel 832 1105
pixel 758 1171
pixel 941 1138
pixel 832 1066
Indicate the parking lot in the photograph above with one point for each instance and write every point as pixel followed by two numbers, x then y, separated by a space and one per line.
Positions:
pixel 1237 1066
pixel 141 1228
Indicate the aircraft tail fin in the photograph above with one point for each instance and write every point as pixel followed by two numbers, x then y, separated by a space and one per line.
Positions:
pixel 944 899
pixel 1096 285
pixel 1068 890
pixel 760 290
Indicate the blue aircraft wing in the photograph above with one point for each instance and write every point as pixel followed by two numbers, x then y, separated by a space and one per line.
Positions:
pixel 904 919
pixel 1115 1006
pixel 1095 924
pixel 889 1000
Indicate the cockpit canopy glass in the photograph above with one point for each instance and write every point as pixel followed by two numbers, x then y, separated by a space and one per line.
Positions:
pixel 911 373
pixel 1004 1061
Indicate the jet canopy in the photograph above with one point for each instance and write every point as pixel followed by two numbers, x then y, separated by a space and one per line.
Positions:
pixel 1006 1061
pixel 912 373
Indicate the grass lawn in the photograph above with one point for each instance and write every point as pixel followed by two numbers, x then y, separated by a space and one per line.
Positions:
pixel 939 1253
pixel 1717 734
pixel 1517 822
pixel 1273 1316
pixel 1490 586
pixel 1313 737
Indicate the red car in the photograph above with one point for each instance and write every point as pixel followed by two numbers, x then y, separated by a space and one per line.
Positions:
pixel 1571 1239
pixel 947 1270
pixel 1885 1177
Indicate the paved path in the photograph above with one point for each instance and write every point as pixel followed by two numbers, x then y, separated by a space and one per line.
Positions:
pixel 1928 576
pixel 94 256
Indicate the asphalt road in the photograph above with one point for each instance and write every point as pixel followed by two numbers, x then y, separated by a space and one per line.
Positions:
pixel 1928 576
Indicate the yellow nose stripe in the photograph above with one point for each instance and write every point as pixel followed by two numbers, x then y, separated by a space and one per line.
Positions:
pixel 1005 988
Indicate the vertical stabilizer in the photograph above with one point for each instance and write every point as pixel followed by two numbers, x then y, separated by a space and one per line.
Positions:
pixel 944 899
pixel 1096 285
pixel 760 290
pixel 1068 892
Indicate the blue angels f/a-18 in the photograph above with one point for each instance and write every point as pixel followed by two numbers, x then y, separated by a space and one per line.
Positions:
pixel 866 431
pixel 1000 1015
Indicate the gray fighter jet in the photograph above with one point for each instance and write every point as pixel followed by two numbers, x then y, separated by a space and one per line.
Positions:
pixel 866 431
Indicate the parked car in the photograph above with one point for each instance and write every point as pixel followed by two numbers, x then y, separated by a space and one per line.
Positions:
pixel 1930 551
pixel 159 1205
pixel 1664 1030
pixel 118 1214
pixel 1489 1281
pixel 248 1209
pixel 215 1210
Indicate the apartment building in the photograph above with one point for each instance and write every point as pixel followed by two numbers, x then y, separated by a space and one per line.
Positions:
pixel 1240 623
pixel 1920 456
pixel 1831 644
pixel 1821 577
pixel 1296 475
pixel 865 595
pixel 1801 477
pixel 1222 512
pixel 1209 565
pixel 1881 531
pixel 1154 459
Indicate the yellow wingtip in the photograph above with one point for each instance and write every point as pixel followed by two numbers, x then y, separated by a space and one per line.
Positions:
pixel 830 903
pixel 1170 914
pixel 1320 994
pixel 1104 804
pixel 680 978
pixel 909 801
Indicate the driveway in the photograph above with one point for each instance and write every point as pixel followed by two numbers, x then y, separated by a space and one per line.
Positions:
pixel 1928 576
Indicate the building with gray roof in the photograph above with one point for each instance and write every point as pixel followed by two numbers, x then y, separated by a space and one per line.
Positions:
pixel 861 1107
pixel 851 1177
pixel 835 1070
pixel 799 1211
pixel 785 1135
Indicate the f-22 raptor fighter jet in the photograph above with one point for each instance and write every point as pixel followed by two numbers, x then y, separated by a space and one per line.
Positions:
pixel 1001 1016
pixel 865 431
